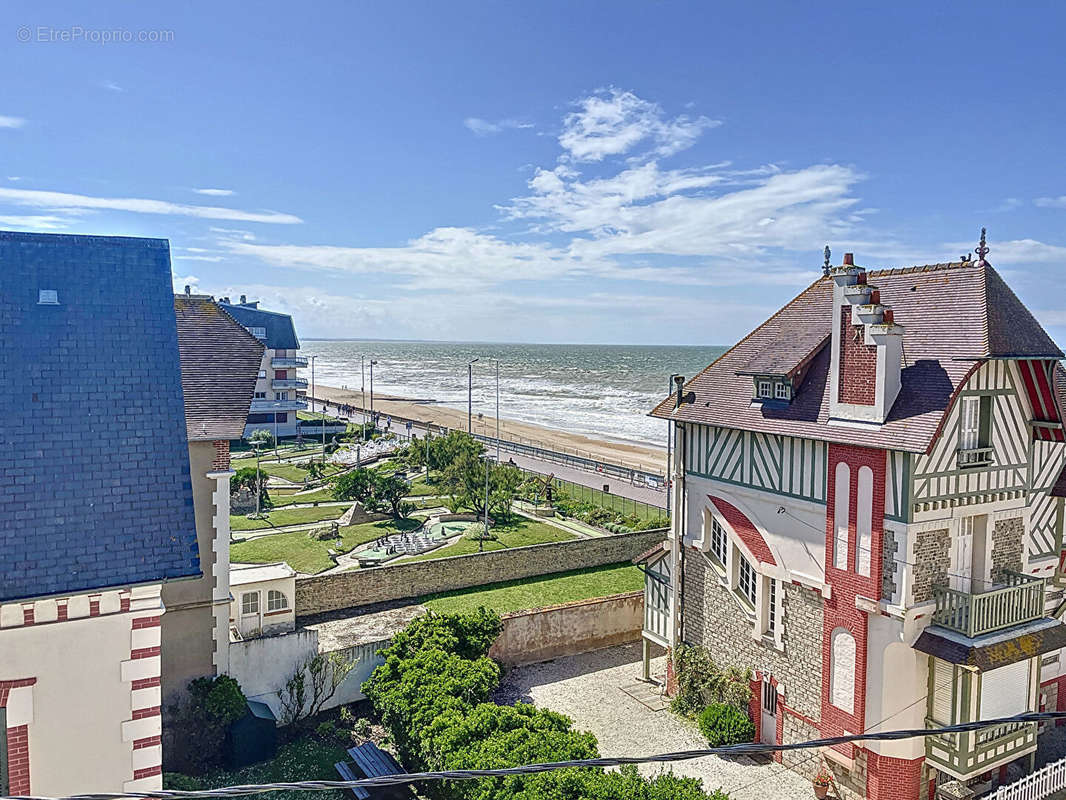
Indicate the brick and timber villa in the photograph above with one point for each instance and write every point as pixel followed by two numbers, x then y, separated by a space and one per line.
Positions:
pixel 868 513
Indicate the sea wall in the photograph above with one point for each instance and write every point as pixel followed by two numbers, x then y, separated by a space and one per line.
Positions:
pixel 322 593
pixel 529 637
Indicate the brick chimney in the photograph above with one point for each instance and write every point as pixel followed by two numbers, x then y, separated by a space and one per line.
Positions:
pixel 867 354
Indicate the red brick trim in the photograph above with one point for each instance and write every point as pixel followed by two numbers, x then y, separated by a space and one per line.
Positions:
pixel 275 613
pixel 146 622
pixel 144 652
pixel 142 713
pixel 857 378
pixel 145 683
pixel 221 462
pixel 27 615
pixel 124 603
pixel 147 772
pixel 744 529
pixel 94 606
pixel 148 741
pixel 755 705
pixel 61 611
pixel 890 778
pixel 18 743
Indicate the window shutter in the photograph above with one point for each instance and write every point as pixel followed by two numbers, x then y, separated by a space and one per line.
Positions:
pixel 984 434
pixel 943 675
pixel 1005 691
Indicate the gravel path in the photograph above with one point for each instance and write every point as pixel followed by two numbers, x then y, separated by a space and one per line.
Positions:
pixel 588 689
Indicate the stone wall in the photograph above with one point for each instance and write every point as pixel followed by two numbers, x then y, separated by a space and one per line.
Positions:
pixel 322 593
pixel 1007 543
pixel 889 548
pixel 529 637
pixel 714 620
pixel 932 561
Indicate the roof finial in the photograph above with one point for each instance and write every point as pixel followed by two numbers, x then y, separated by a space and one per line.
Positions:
pixel 982 248
pixel 825 264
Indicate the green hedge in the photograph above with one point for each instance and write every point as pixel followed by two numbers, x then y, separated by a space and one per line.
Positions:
pixel 432 695
pixel 724 725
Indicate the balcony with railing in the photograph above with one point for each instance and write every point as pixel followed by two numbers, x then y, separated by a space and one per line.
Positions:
pixel 1013 600
pixel 966 755
pixel 277 405
pixel 974 457
pixel 289 383
pixel 294 362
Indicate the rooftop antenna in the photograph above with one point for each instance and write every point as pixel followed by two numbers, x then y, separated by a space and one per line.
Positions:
pixel 982 249
pixel 825 264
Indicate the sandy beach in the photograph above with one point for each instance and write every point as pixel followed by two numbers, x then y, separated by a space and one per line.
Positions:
pixel 629 455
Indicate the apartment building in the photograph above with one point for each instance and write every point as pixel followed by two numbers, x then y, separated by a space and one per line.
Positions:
pixel 279 390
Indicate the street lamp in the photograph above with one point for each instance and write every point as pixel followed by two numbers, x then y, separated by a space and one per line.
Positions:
pixel 372 363
pixel 669 438
pixel 470 395
pixel 497 411
pixel 258 480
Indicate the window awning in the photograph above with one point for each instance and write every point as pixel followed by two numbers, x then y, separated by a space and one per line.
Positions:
pixel 993 650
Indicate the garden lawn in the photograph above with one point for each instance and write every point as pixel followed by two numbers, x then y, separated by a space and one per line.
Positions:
pixel 308 555
pixel 517 532
pixel 295 548
pixel 520 595
pixel 286 516
pixel 304 759
pixel 285 498
pixel 420 488
pixel 289 472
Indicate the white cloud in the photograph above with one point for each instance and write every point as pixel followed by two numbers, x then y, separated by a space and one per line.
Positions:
pixel 1051 202
pixel 216 192
pixel 111 86
pixel 14 178
pixel 36 222
pixel 11 122
pixel 483 127
pixel 611 122
pixel 197 258
pixel 63 200
pixel 234 233
pixel 1016 251
pixel 181 281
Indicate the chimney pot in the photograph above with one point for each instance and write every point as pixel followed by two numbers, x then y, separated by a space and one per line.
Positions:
pixel 679 380
pixel 849 259
pixel 188 289
pixel 875 297
pixel 244 299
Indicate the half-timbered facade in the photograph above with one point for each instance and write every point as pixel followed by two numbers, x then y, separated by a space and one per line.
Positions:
pixel 868 497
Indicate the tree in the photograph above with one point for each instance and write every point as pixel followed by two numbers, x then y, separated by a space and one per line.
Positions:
pixel 312 685
pixel 262 437
pixel 355 485
pixel 389 490
pixel 248 478
pixel 465 480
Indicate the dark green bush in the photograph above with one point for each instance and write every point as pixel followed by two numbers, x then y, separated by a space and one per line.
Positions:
pixel 221 699
pixel 182 783
pixel 724 724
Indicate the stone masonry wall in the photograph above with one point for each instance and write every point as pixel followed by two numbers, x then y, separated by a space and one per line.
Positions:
pixel 1007 542
pixel 361 587
pixel 713 620
pixel 889 548
pixel 932 561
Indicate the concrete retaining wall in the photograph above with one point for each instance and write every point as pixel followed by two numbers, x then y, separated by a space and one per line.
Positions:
pixel 321 593
pixel 542 634
pixel 263 666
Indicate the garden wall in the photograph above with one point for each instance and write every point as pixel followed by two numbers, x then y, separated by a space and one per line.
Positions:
pixel 541 634
pixel 262 666
pixel 321 593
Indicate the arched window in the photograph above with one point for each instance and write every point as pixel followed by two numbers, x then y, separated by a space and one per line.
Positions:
pixel 841 515
pixel 842 676
pixel 276 600
pixel 864 508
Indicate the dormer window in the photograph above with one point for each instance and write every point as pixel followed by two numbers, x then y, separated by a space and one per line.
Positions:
pixel 782 391
pixel 766 390
pixel 772 389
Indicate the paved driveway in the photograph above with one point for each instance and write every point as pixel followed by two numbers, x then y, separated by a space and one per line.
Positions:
pixel 589 689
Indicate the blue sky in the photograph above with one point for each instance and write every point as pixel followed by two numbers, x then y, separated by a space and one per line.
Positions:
pixel 654 172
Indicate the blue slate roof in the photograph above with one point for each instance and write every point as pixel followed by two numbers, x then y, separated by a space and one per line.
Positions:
pixel 94 462
pixel 280 332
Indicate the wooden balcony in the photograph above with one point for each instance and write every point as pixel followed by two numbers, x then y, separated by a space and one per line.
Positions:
pixel 966 755
pixel 1014 600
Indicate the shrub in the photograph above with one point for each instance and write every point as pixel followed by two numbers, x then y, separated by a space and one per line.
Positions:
pixel 221 699
pixel 327 730
pixel 476 531
pixel 182 783
pixel 724 725
pixel 700 682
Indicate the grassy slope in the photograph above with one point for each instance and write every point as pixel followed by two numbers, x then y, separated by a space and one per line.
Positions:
pixel 284 498
pixel 528 593
pixel 286 516
pixel 517 532
pixel 310 555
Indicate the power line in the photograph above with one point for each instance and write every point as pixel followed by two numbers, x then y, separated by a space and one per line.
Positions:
pixel 535 769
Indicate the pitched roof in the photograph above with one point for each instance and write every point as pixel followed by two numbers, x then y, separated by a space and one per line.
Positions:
pixel 220 364
pixel 280 332
pixel 955 315
pixel 745 529
pixel 97 490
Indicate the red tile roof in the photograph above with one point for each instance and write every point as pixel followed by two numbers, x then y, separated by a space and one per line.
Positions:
pixel 955 315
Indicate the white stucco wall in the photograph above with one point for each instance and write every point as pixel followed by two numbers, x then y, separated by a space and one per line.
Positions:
pixel 270 622
pixel 896 683
pixel 263 666
pixel 79 711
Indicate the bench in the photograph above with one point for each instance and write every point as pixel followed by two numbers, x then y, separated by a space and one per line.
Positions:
pixel 369 761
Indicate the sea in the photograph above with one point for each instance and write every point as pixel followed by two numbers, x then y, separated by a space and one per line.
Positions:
pixel 602 391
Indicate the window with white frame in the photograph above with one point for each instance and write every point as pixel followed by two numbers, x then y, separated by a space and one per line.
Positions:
pixel 260 395
pixel 746 578
pixel 864 520
pixel 766 389
pixel 975 413
pixel 719 542
pixel 841 514
pixel 771 611
pixel 781 390
pixel 250 603
pixel 276 601
pixel 262 373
